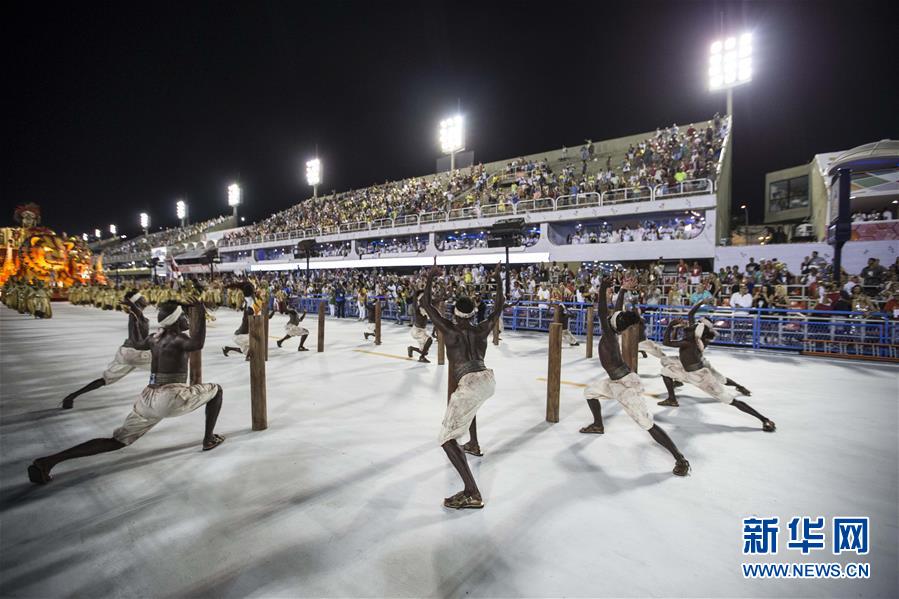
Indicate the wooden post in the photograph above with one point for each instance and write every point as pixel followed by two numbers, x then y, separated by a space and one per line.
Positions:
pixel 554 373
pixel 557 314
pixel 257 373
pixel 589 325
pixel 496 330
pixel 441 349
pixel 265 320
pixel 377 322
pixel 630 339
pixel 321 326
pixel 195 358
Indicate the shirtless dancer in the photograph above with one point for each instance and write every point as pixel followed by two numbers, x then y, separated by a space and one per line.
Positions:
pixel 691 367
pixel 167 395
pixel 466 344
pixel 242 334
pixel 370 319
pixel 622 384
pixel 419 329
pixel 567 337
pixel 293 328
pixel 127 358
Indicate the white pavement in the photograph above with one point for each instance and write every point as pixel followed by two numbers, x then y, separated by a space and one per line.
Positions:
pixel 342 495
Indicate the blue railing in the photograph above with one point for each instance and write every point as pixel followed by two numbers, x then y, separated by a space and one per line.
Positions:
pixel 849 333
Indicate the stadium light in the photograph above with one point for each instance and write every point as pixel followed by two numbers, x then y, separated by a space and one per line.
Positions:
pixel 181 211
pixel 314 174
pixel 113 230
pixel 234 198
pixel 730 64
pixel 144 222
pixel 452 137
pixel 97 233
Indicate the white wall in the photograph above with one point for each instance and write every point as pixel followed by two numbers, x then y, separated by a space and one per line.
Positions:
pixel 855 254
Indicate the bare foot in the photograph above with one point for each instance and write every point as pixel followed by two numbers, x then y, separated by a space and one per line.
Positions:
pixel 472 449
pixel 593 429
pixel 669 402
pixel 38 473
pixel 681 467
pixel 768 426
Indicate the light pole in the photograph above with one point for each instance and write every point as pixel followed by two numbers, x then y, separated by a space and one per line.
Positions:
pixel 745 210
pixel 234 198
pixel 145 222
pixel 181 212
pixel 452 138
pixel 314 174
pixel 730 65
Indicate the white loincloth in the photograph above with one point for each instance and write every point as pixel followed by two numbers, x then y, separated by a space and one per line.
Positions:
pixel 163 401
pixel 421 336
pixel 628 391
pixel 370 327
pixel 707 378
pixel 243 342
pixel 567 337
pixel 295 330
pixel 126 359
pixel 652 348
pixel 474 389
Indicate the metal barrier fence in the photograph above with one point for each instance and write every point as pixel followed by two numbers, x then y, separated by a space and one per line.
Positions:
pixel 831 332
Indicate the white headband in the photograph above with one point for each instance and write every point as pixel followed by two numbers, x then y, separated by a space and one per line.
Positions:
pixel 171 318
pixel 463 314
pixel 135 297
pixel 699 331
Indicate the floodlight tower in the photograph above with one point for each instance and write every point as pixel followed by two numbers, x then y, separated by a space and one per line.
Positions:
pixel 234 198
pixel 314 174
pixel 145 222
pixel 730 65
pixel 452 138
pixel 181 212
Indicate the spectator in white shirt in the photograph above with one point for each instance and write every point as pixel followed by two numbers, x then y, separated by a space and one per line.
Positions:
pixel 740 300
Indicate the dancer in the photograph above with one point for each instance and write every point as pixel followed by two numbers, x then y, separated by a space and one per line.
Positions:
pixel 242 334
pixel 419 329
pixel 167 395
pixel 691 366
pixel 648 347
pixel 293 328
pixel 128 357
pixel 370 319
pixel 466 344
pixel 622 384
pixel 564 317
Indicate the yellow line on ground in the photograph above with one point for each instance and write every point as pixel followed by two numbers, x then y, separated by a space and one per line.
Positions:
pixel 377 353
pixel 653 395
pixel 543 378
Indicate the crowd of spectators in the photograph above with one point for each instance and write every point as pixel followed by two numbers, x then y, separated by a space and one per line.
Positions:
pixel 664 230
pixel 392 246
pixel 872 215
pixel 167 237
pixel 671 156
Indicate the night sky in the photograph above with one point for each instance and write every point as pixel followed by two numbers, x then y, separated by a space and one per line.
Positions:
pixel 116 108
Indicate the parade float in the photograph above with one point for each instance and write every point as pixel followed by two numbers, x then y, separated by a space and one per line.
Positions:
pixel 31 253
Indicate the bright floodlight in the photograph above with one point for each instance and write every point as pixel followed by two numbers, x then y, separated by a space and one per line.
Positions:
pixel 314 172
pixel 144 220
pixel 84 236
pixel 113 230
pixel 97 233
pixel 451 135
pixel 180 209
pixel 730 62
pixel 233 194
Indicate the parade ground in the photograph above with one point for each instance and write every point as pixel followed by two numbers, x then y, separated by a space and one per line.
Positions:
pixel 342 494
